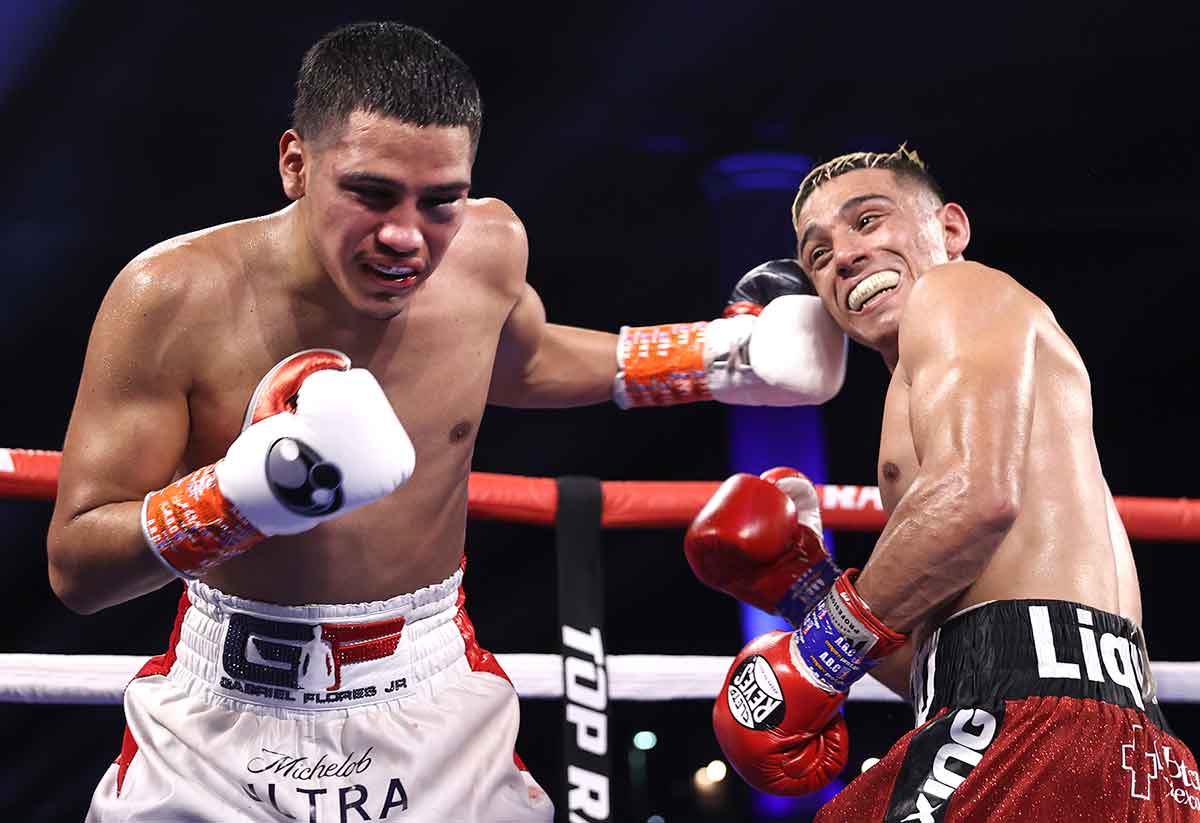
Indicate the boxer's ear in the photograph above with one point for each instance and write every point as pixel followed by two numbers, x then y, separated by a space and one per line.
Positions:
pixel 956 229
pixel 293 164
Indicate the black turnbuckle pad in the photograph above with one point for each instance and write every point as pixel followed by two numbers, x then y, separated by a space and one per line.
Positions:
pixel 301 480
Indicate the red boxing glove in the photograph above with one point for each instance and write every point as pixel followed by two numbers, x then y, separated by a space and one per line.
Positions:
pixel 759 540
pixel 777 718
pixel 783 734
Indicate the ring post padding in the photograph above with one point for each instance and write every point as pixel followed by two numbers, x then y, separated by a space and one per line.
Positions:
pixel 580 560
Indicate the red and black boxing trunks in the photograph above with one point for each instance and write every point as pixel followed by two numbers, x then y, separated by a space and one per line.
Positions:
pixel 1032 710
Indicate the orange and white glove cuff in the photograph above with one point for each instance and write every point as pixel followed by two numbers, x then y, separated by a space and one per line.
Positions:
pixel 191 526
pixel 661 365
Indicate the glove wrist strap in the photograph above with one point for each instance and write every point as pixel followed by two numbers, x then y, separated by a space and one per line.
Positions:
pixel 191 526
pixel 840 639
pixel 807 591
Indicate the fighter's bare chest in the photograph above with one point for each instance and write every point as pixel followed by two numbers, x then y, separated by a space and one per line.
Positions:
pixel 897 457
pixel 436 378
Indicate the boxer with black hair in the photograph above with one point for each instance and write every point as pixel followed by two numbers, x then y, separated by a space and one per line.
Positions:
pixel 322 664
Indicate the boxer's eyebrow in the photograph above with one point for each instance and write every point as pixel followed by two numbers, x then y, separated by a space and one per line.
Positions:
pixel 448 188
pixel 804 237
pixel 849 206
pixel 355 178
pixel 361 177
pixel 855 202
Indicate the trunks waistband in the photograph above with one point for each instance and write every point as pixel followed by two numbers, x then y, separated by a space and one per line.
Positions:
pixel 321 657
pixel 1015 649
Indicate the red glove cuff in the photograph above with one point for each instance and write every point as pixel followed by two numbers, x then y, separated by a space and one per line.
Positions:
pixel 841 639
pixel 742 307
pixel 887 640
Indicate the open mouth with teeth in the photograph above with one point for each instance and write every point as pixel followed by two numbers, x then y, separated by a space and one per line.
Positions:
pixel 394 275
pixel 871 288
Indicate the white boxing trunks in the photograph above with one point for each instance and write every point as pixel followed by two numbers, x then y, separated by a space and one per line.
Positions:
pixel 327 714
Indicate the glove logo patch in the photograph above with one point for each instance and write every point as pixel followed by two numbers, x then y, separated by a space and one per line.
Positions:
pixel 754 696
pixel 302 480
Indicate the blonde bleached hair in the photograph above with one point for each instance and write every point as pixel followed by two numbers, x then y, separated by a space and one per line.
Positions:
pixel 903 161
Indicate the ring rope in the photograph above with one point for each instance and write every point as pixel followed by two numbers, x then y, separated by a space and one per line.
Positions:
pixel 33 475
pixel 100 679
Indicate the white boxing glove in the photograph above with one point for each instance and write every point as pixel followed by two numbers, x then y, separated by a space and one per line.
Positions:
pixel 775 345
pixel 791 354
pixel 342 448
pixel 326 442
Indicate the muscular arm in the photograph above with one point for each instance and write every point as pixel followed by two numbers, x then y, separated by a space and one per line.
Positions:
pixel 544 365
pixel 893 670
pixel 540 364
pixel 126 436
pixel 967 352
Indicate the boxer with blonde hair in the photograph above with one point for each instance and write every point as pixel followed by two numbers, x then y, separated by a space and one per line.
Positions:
pixel 1001 596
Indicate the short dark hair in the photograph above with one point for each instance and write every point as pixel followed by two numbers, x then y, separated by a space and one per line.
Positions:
pixel 384 68
pixel 903 162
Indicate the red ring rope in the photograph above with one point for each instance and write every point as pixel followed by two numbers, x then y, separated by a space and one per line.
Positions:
pixel 33 475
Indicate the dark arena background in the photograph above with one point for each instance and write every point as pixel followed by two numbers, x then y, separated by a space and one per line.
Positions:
pixel 651 150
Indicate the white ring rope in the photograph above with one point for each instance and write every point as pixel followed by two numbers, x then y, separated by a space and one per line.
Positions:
pixel 100 679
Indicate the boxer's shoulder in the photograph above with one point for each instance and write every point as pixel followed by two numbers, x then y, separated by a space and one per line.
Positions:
pixel 492 243
pixel 966 288
pixel 963 306
pixel 958 286
pixel 189 267
pixel 492 213
pixel 172 300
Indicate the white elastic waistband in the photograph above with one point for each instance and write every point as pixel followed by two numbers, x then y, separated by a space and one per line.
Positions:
pixel 320 657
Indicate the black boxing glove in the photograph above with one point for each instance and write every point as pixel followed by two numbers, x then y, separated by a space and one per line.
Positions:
pixel 764 283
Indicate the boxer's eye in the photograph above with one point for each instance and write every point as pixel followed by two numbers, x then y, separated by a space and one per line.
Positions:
pixel 374 198
pixel 435 202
